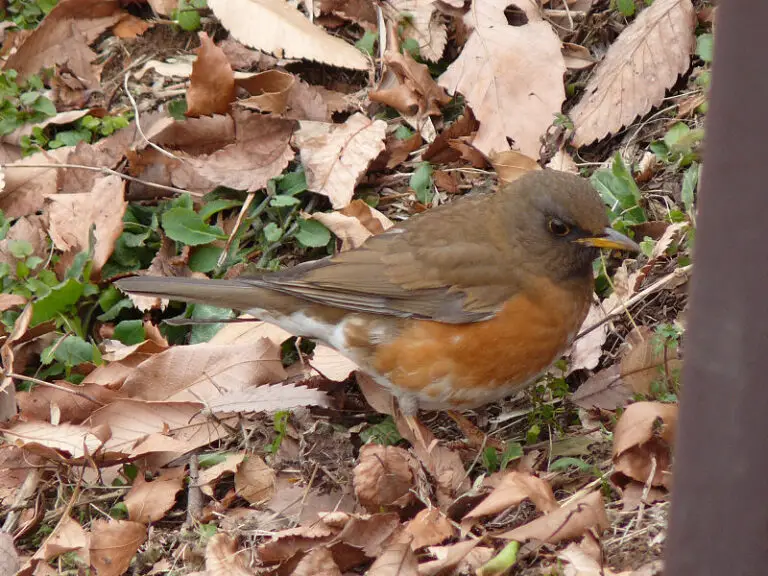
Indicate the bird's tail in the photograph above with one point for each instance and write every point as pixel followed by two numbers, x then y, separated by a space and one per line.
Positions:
pixel 237 294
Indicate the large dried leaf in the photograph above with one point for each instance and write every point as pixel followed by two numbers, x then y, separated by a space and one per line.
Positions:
pixel 28 181
pixel 511 491
pixel 354 224
pixel 113 545
pixel 397 560
pixel 423 24
pixel 512 76
pixel 73 215
pixel 212 83
pixel 384 477
pixel 222 559
pixel 254 480
pixel 149 501
pixel 643 62
pixel 268 399
pixel 336 155
pixel 276 27
pixel 77 441
pixel 67 536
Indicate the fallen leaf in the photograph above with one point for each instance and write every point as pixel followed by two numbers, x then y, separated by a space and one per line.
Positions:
pixel 293 501
pixel 397 560
pixel 643 62
pixel 28 229
pixel 642 443
pixel 330 364
pixel 563 162
pixel 354 224
pixel 384 476
pixel 9 559
pixel 424 25
pixel 464 557
pixel 564 523
pixel 429 527
pixel 577 57
pixel 604 389
pixel 149 501
pixel 632 496
pixel 285 543
pixel 76 441
pixel 130 27
pixel 513 488
pixel 268 398
pixel 242 58
pixel 510 165
pixel 269 91
pixel 317 562
pixel 586 351
pixel 254 480
pixel 276 27
pixel 74 403
pixel 211 84
pixel 336 155
pixel 440 151
pixel 522 72
pixel 362 12
pixel 113 543
pixel 222 559
pixel 30 180
pixel 72 216
pixel 207 478
pixel 371 534
pixel 67 536
pixel 647 359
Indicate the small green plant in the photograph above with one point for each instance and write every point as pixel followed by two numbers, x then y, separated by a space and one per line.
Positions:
pixel 547 412
pixel 187 17
pixel 421 182
pixel 280 424
pixel 679 145
pixel 620 193
pixel 625 7
pixel 87 129
pixel 22 102
pixel 27 14
pixel 384 433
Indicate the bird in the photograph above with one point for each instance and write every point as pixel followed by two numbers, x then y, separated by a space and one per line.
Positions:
pixel 454 308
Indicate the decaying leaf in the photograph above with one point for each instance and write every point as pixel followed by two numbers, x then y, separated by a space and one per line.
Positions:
pixel 513 488
pixel 354 224
pixel 505 69
pixel 642 444
pixel 276 27
pixel 212 83
pixel 222 557
pixel 643 62
pixel 510 165
pixel 423 24
pixel 268 398
pixel 67 536
pixel 384 476
pixel 149 501
pixel 429 527
pixel 254 480
pixel 318 562
pixel 397 560
pixel 113 543
pixel 648 359
pixel 336 155
pixel 604 389
pixel 269 91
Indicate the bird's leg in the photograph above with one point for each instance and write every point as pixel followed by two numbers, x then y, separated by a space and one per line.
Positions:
pixel 476 437
pixel 409 409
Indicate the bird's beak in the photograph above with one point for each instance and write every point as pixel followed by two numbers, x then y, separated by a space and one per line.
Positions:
pixel 611 240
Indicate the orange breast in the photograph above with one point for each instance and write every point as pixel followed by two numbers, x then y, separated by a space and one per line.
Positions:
pixel 467 365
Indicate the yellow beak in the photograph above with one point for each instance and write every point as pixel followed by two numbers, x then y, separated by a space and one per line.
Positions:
pixel 611 240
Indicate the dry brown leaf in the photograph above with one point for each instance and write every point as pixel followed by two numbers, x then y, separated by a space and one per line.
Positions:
pixel 642 444
pixel 242 58
pixel 27 185
pixel 58 120
pixel 113 543
pixel 149 501
pixel 204 372
pixel 647 360
pixel 513 488
pixel 362 12
pixel 397 560
pixel 212 83
pixel 354 224
pixel 577 57
pixel 330 364
pixel 73 403
pixel 409 88
pixel 9 559
pixel 376 395
pixel 397 151
pixel 429 528
pixel 511 76
pixel 67 536
pixel 605 390
pixel 643 62
pixel 317 562
pixel 564 523
pixel 222 559
pixel 73 215
pixel 250 332
pixel 130 27
pixel 384 476
pixel 632 496
pixel 469 153
pixel 285 543
pixel 260 152
pixel 269 91
pixel 268 398
pixel 254 480
pixel 276 27
pixel 464 557
pixel 207 479
pixel 13 470
pixel 293 501
pixel 423 25
pixel 336 155
pixel 76 441
pixel 63 38
pixel 371 534
pixel 510 165
pixel 440 151
pixel 586 351
pixel 564 162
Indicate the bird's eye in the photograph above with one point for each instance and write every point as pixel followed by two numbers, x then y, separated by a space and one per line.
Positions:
pixel 558 227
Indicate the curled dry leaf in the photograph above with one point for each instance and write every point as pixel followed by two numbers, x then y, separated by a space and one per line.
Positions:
pixel 643 62
pixel 269 91
pixel 396 560
pixel 647 360
pixel 440 151
pixel 464 557
pixel 522 72
pixel 212 83
pixel 370 534
pixel 73 215
pixel 277 27
pixel 317 562
pixel 384 476
pixel 254 480
pixel 354 224
pixel 268 398
pixel 206 479
pixel 510 165
pixel 411 90
pixel 604 389
pixel 642 444
pixel 564 523
pixel 564 162
pixel 513 488
pixel 222 559
pixel 423 25
pixel 113 543
pixel 429 527
pixel 336 155
pixel 67 536
pixel 149 501
pixel 586 351
pixel 576 57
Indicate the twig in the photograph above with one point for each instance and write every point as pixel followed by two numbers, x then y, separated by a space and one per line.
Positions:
pixel 138 123
pixel 194 493
pixel 26 491
pixel 646 490
pixel 55 386
pixel 238 222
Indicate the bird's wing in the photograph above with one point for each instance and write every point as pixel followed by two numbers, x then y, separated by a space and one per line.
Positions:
pixel 445 265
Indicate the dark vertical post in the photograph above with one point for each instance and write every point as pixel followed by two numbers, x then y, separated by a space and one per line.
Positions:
pixel 719 520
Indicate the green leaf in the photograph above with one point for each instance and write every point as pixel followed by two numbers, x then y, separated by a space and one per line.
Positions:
pixel 503 561
pixel 204 332
pixel 205 258
pixel 411 46
pixel 60 299
pixel 312 234
pixel 283 201
pixel 178 109
pixel 675 133
pixel 690 180
pixel 272 232
pixel 367 43
pixel 421 182
pixel 5 225
pixel 626 7
pixel 20 249
pixel 569 462
pixel 216 206
pixel 403 133
pixel 490 459
pixel 189 20
pixel 293 183
pixel 620 192
pixel 186 226
pixel 70 350
pixel 512 451
pixel 130 332
pixel 384 433
pixel 208 460
pixel 114 311
pixel 705 47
